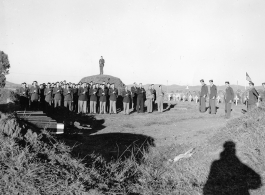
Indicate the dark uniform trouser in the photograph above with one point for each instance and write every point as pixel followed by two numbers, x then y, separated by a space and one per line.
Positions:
pixel 140 102
pixel 101 69
pixel 227 109
pixel 75 104
pixel 107 104
pixel 34 105
pixel 202 104
pixel 134 100
pixel 212 106
pixel 23 102
pixel 48 106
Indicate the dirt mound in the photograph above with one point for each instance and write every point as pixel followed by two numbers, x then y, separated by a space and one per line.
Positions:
pixel 107 78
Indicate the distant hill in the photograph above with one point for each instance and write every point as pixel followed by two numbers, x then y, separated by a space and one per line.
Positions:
pixel 10 85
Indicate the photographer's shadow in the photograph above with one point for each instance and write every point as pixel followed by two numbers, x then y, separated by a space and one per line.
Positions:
pixel 229 176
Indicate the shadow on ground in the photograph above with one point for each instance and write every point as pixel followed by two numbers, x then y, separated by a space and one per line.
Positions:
pixel 229 176
pixel 111 146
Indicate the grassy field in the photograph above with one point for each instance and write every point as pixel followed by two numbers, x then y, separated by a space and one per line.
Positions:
pixel 120 154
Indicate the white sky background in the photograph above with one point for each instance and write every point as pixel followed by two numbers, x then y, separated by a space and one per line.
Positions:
pixel 154 41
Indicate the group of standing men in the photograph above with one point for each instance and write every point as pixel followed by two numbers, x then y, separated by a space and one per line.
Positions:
pixel 229 97
pixel 88 97
pixel 252 98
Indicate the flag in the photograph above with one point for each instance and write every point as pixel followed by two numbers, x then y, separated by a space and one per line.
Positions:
pixel 247 77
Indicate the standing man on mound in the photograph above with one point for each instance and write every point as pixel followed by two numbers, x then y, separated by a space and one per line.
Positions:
pixel 204 92
pixel 101 64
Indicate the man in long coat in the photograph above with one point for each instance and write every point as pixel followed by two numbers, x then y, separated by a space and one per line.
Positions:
pixel 229 98
pixel 203 95
pixel 212 98
pixel 101 64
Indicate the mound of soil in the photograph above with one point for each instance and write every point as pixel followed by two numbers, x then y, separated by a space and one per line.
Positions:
pixel 107 78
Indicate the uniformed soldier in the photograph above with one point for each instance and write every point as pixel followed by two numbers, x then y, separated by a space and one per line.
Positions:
pixel 229 97
pixel 75 97
pixel 212 98
pixel 34 96
pixel 101 64
pixel 113 93
pixel 23 93
pixel 57 91
pixel 82 99
pixel 126 94
pixel 102 99
pixel 253 96
pixel 107 97
pixel 154 97
pixel 134 96
pixel 68 97
pixel 93 99
pixel 203 95
pixel 42 97
pixel 149 99
pixel 140 98
pixel 48 98
pixel 160 99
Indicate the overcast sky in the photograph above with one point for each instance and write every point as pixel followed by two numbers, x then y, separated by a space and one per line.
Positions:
pixel 154 41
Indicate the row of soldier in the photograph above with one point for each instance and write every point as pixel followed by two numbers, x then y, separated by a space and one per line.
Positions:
pixel 252 99
pixel 89 97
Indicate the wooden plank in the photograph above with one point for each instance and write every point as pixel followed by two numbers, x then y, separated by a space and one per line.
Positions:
pixel 31 115
pixel 29 112
pixel 36 118
pixel 41 121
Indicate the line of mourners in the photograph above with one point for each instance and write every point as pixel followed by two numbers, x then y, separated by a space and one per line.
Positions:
pixel 93 98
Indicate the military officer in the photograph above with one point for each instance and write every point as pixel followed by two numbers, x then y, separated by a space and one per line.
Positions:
pixel 229 97
pixel 113 93
pixel 23 92
pixel 68 97
pixel 82 99
pixel 34 96
pixel 252 97
pixel 154 96
pixel 160 99
pixel 140 98
pixel 48 98
pixel 75 97
pixel 126 94
pixel 134 96
pixel 102 99
pixel 93 99
pixel 57 91
pixel 212 98
pixel 203 95
pixel 101 64
pixel 107 97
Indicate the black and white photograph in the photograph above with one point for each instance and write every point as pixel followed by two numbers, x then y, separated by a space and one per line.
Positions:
pixel 120 97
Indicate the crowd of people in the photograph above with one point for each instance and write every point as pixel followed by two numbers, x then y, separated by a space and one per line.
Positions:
pixel 101 98
pixel 93 98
